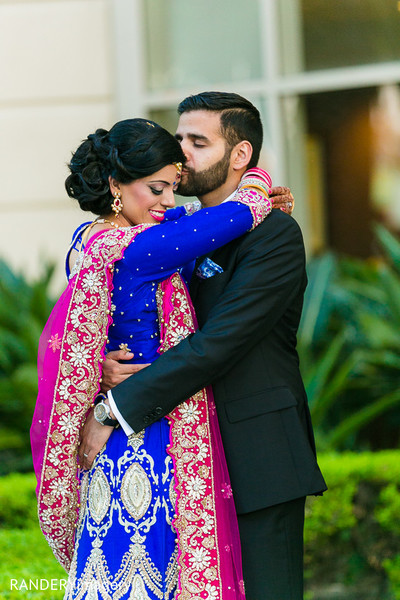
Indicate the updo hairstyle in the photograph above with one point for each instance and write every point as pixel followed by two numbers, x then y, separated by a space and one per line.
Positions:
pixel 132 149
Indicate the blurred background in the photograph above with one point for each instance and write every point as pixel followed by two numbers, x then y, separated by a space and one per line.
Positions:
pixel 326 78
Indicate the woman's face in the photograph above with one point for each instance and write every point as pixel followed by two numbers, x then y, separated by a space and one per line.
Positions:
pixel 146 200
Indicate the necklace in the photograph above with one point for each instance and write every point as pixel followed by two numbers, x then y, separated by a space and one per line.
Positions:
pixel 107 221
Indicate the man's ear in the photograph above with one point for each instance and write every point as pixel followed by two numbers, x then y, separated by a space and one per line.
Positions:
pixel 241 155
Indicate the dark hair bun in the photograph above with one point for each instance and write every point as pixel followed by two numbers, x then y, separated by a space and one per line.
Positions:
pixel 132 149
pixel 88 182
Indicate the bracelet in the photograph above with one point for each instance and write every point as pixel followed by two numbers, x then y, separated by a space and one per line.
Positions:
pixel 254 182
pixel 260 174
pixel 253 186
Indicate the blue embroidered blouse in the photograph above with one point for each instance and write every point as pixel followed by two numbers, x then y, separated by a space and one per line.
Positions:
pixel 153 256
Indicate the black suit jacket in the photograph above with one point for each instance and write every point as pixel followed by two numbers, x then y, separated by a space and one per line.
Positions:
pixel 246 347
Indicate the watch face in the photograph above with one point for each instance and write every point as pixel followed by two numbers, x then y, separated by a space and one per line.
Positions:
pixel 100 412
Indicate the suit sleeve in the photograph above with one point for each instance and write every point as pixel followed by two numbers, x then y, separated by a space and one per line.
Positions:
pixel 268 275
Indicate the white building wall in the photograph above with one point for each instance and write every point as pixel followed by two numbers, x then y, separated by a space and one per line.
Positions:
pixel 57 85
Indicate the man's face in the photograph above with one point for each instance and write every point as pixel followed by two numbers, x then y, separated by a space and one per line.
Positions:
pixel 206 151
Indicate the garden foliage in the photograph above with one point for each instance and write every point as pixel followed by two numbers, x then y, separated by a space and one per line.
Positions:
pixel 349 347
pixel 24 308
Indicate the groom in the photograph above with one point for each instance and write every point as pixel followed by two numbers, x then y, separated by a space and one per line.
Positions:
pixel 246 347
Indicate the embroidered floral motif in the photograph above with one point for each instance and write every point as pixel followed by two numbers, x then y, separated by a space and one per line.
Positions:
pixel 124 347
pixel 202 451
pixel 212 592
pixel 79 355
pixel 200 559
pixel 226 490
pixel 91 282
pixel 196 487
pixel 189 412
pixel 64 388
pixel 75 314
pixel 67 424
pixel 55 342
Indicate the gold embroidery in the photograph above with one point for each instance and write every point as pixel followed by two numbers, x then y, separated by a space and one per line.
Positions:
pixel 198 562
pixel 99 496
pixel 136 491
pixel 171 575
pixel 172 492
pixel 135 560
pixel 135 440
pixel 80 360
pixel 138 589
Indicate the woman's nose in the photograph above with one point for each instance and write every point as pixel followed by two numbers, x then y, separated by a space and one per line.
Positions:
pixel 168 199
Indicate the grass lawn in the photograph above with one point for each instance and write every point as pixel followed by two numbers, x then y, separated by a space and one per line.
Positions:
pixel 24 556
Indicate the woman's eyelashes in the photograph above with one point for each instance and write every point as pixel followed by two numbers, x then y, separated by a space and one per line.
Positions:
pixel 156 192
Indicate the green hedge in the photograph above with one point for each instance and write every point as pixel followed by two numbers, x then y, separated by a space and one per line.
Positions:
pixel 25 557
pixel 352 533
pixel 18 507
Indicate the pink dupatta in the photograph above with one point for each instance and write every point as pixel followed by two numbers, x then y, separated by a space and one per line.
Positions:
pixel 71 351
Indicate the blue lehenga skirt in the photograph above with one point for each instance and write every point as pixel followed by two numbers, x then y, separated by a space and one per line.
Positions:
pixel 125 546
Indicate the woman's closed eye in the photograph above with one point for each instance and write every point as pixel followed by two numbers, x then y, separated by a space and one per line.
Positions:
pixel 156 191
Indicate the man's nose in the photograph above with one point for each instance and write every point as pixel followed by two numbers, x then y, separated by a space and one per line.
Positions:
pixel 185 149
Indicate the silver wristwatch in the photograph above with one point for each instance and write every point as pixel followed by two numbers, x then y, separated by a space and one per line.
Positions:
pixel 102 412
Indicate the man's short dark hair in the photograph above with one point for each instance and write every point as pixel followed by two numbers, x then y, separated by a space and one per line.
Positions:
pixel 240 119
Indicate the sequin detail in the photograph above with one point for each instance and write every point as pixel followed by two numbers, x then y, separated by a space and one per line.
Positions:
pixel 136 491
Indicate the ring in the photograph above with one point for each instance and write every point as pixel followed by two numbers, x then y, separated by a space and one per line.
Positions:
pixel 85 455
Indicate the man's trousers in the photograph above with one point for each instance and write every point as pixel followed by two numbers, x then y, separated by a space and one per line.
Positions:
pixel 272 551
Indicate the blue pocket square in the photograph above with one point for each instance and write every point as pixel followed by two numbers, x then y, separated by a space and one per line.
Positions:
pixel 208 268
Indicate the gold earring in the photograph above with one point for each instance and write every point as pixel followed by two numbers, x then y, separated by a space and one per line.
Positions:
pixel 178 167
pixel 116 206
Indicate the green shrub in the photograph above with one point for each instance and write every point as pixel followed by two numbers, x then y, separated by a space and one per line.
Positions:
pixel 392 568
pixel 24 556
pixel 352 532
pixel 349 340
pixel 24 552
pixel 18 507
pixel 24 308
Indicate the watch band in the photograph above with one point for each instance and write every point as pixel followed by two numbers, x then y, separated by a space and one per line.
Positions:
pixel 110 422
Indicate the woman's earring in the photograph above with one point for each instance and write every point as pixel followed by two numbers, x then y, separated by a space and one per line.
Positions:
pixel 116 206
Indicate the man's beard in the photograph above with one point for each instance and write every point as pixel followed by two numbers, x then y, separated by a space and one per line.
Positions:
pixel 204 182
